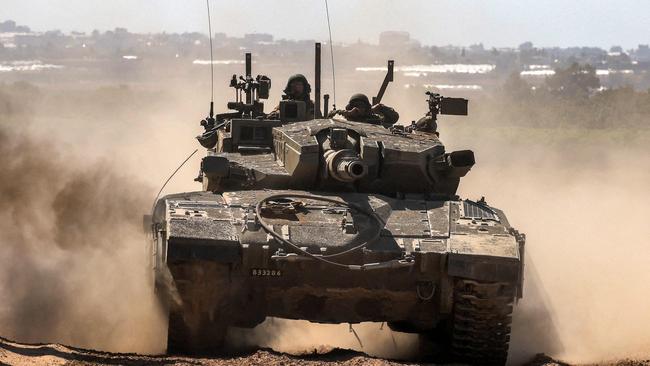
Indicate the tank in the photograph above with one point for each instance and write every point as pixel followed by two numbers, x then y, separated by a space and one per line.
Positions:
pixel 334 221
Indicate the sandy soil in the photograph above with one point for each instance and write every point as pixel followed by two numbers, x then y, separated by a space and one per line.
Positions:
pixel 13 353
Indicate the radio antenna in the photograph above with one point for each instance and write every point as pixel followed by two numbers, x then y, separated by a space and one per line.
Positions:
pixel 153 207
pixel 329 28
pixel 207 2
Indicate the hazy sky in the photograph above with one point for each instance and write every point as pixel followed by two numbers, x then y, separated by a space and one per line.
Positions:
pixel 437 22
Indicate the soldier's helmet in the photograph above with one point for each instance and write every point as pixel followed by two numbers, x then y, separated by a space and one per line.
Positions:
pixel 356 99
pixel 301 78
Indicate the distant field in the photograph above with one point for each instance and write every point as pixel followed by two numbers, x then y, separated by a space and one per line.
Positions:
pixel 552 136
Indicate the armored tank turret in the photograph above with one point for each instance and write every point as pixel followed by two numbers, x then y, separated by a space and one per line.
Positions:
pixel 334 221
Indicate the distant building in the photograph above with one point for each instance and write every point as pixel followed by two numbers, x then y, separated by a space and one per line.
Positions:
pixel 9 26
pixel 220 37
pixel 394 39
pixel 526 46
pixel 642 54
pixel 477 48
pixel 258 38
pixel 616 49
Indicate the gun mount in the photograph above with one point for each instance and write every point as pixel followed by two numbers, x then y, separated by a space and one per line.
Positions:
pixel 445 105
pixel 439 105
pixel 253 89
pixel 248 92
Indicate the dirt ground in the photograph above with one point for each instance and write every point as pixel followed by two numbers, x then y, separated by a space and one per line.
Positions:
pixel 13 353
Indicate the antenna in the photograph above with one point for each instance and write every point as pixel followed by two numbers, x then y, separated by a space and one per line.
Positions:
pixel 207 2
pixel 317 113
pixel 329 28
pixel 249 76
pixel 153 207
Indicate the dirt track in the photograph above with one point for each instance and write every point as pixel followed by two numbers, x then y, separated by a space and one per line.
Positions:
pixel 13 353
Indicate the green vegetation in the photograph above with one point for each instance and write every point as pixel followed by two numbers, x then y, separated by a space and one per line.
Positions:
pixel 569 100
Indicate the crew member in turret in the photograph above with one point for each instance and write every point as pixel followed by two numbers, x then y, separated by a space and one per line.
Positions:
pixel 427 124
pixel 297 88
pixel 360 110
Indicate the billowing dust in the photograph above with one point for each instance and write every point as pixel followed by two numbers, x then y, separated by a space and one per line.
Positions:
pixel 584 210
pixel 73 259
pixel 73 265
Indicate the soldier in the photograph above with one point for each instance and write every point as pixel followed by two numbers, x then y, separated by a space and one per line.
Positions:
pixel 360 110
pixel 427 124
pixel 297 88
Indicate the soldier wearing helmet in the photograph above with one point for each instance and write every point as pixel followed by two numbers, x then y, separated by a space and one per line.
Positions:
pixel 427 124
pixel 359 109
pixel 297 88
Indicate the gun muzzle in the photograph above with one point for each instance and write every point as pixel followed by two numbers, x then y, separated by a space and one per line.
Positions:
pixel 345 165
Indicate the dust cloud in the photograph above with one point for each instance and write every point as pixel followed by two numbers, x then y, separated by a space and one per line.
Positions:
pixel 583 206
pixel 300 337
pixel 73 260
pixel 78 169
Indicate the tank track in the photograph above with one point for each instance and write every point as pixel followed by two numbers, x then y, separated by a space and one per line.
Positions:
pixel 482 315
pixel 199 325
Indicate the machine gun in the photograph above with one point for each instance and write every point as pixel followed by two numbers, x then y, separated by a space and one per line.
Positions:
pixel 248 92
pixel 445 105
pixel 439 105
pixel 254 89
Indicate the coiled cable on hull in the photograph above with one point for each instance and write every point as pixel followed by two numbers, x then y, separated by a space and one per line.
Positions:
pixel 326 258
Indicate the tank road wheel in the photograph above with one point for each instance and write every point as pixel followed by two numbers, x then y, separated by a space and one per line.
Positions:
pixel 480 328
pixel 199 325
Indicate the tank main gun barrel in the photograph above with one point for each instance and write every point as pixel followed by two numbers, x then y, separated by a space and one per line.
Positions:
pixel 345 165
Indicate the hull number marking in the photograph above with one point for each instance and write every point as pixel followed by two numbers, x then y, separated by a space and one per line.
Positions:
pixel 265 272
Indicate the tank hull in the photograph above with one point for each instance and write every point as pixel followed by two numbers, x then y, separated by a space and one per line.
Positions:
pixel 219 260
